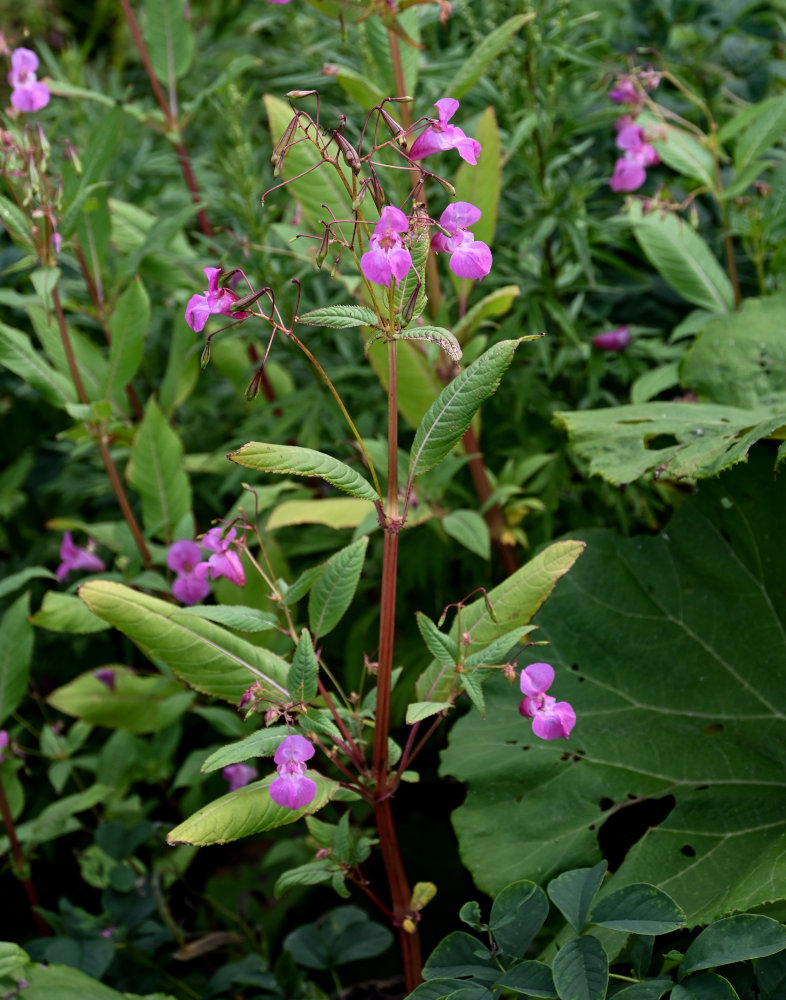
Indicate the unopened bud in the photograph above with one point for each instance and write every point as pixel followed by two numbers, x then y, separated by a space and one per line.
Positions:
pixel 377 193
pixel 323 852
pixel 409 308
pixel 446 185
pixel 277 157
pixel 349 153
pixel 396 130
pixel 509 672
pixel 359 198
pixel 271 716
pixel 205 359
pixel 297 94
pixel 323 248
pixel 254 385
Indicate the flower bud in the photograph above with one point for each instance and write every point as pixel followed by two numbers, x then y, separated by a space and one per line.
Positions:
pixel 613 340
pixel 277 157
pixel 349 153
pixel 254 385
pixel 359 198
pixel 297 94
pixel 395 129
pixel 409 307
pixel 205 359
pixel 323 248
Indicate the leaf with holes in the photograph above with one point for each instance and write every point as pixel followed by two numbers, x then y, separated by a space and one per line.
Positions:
pixel 670 650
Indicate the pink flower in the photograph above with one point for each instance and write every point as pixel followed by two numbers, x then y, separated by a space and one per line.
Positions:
pixel 551 719
pixel 387 257
pixel 239 775
pixel 224 561
pixel 440 135
pixel 4 741
pixel 633 140
pixel 28 94
pixel 214 300
pixel 292 789
pixel 469 257
pixel 75 558
pixel 625 91
pixel 191 585
pixel 613 340
pixel 107 677
pixel 628 175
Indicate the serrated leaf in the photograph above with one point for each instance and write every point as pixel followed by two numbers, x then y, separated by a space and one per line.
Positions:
pixel 471 684
pixel 581 970
pixel 573 893
pixel 302 679
pixel 340 317
pixel 764 125
pixel 440 645
pixel 303 584
pixel 292 460
pixel 127 326
pixel 203 654
pixel 237 616
pixel 470 529
pixel 331 595
pixel 16 651
pixel 496 651
pixel 66 613
pixel 15 220
pixel 263 743
pixel 312 873
pixel 169 40
pixel 245 812
pixel 156 473
pixel 681 151
pixel 435 335
pixel 484 54
pixel 18 354
pixel 640 909
pixel 419 710
pixel 451 413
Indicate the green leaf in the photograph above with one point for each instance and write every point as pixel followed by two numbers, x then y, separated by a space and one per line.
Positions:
pixel 581 970
pixel 302 680
pixel 450 989
pixel 471 684
pixel 380 66
pixel 434 335
pixel 484 54
pixel 682 258
pixel 419 710
pixel 533 979
pixel 297 590
pixel 676 440
pixel 136 704
pixel 704 986
pixel 517 914
pixel 761 126
pixel 44 280
pixel 127 326
pixel 237 616
pixel 17 354
pixel 573 893
pixel 451 413
pixel 15 220
pixel 417 380
pixel 66 613
pixel 94 168
pixel 204 655
pixel 461 954
pixel 344 934
pixel 292 460
pixel 16 653
pixel 262 743
pixel 496 303
pixel 334 512
pixel 312 873
pixel 358 86
pixel 651 989
pixel 57 818
pixel 639 909
pixel 17 580
pixel 245 812
pixel 469 528
pixel 681 151
pixel 340 317
pixel 169 40
pixel 331 595
pixel 498 650
pixel 62 982
pixel 734 939
pixel 443 647
pixel 156 473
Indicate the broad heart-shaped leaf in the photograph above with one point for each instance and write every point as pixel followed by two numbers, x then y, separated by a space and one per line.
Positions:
pixel 573 892
pixel 128 326
pixel 581 970
pixel 203 654
pixel 640 909
pixel 461 954
pixel 295 461
pixel 340 317
pixel 740 359
pixel 302 679
pixel 137 704
pixel 670 650
pixel 674 440
pixel 16 651
pixel 245 812
pixel 156 473
pixel 451 413
pixel 262 743
pixel 735 939
pixel 514 603
pixel 517 914
pixel 682 258
pixel 533 979
pixel 331 595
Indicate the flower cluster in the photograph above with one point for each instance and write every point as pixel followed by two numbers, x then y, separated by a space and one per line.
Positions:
pixel 469 258
pixel 637 153
pixel 72 557
pixel 292 789
pixel 214 300
pixel 185 559
pixel 551 719
pixel 28 93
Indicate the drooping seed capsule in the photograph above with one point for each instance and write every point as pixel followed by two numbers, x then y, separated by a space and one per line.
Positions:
pixel 395 129
pixel 205 359
pixel 277 157
pixel 349 153
pixel 323 249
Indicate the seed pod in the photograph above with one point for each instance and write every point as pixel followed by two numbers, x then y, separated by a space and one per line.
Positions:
pixel 349 152
pixel 323 249
pixel 277 158
pixel 395 129
pixel 205 359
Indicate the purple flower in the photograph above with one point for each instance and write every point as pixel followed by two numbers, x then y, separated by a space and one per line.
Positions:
pixel 469 257
pixel 239 775
pixel 629 173
pixel 292 789
pixel 28 94
pixel 191 584
pixel 4 741
pixel 627 176
pixel 551 719
pixel 107 677
pixel 75 558
pixel 440 135
pixel 387 257
pixel 214 300
pixel 625 91
pixel 613 340
pixel 224 561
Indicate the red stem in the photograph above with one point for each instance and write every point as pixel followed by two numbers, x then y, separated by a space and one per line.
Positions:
pixel 19 862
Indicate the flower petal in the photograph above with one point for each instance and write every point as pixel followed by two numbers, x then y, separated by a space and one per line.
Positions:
pixel 446 108
pixel 293 791
pixel 554 721
pixel 183 555
pixel 459 215
pixel 536 678
pixel 294 747
pixel 471 260
pixel 197 312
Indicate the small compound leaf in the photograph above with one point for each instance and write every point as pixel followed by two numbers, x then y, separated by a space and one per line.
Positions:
pixel 734 939
pixel 581 970
pixel 641 909
pixel 517 914
pixel 573 893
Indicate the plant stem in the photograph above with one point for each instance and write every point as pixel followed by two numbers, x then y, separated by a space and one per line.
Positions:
pixel 19 863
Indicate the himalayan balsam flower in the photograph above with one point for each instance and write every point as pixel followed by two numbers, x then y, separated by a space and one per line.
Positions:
pixel 239 775
pixel 191 584
pixel 75 558
pixel 292 789
pixel 469 258
pixel 215 300
pixel 440 135
pixel 387 257
pixel 224 561
pixel 4 741
pixel 625 91
pixel 612 340
pixel 550 718
pixel 629 173
pixel 28 94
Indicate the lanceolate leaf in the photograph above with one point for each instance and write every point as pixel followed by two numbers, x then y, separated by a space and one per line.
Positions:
pixel 332 593
pixel 18 354
pixel 435 335
pixel 340 317
pixel 245 812
pixel 443 647
pixel 483 55
pixel 302 680
pixel 263 743
pixel 128 326
pixel 451 413
pixel 295 461
pixel 201 653
pixel 169 40
pixel 419 710
pixel 16 650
